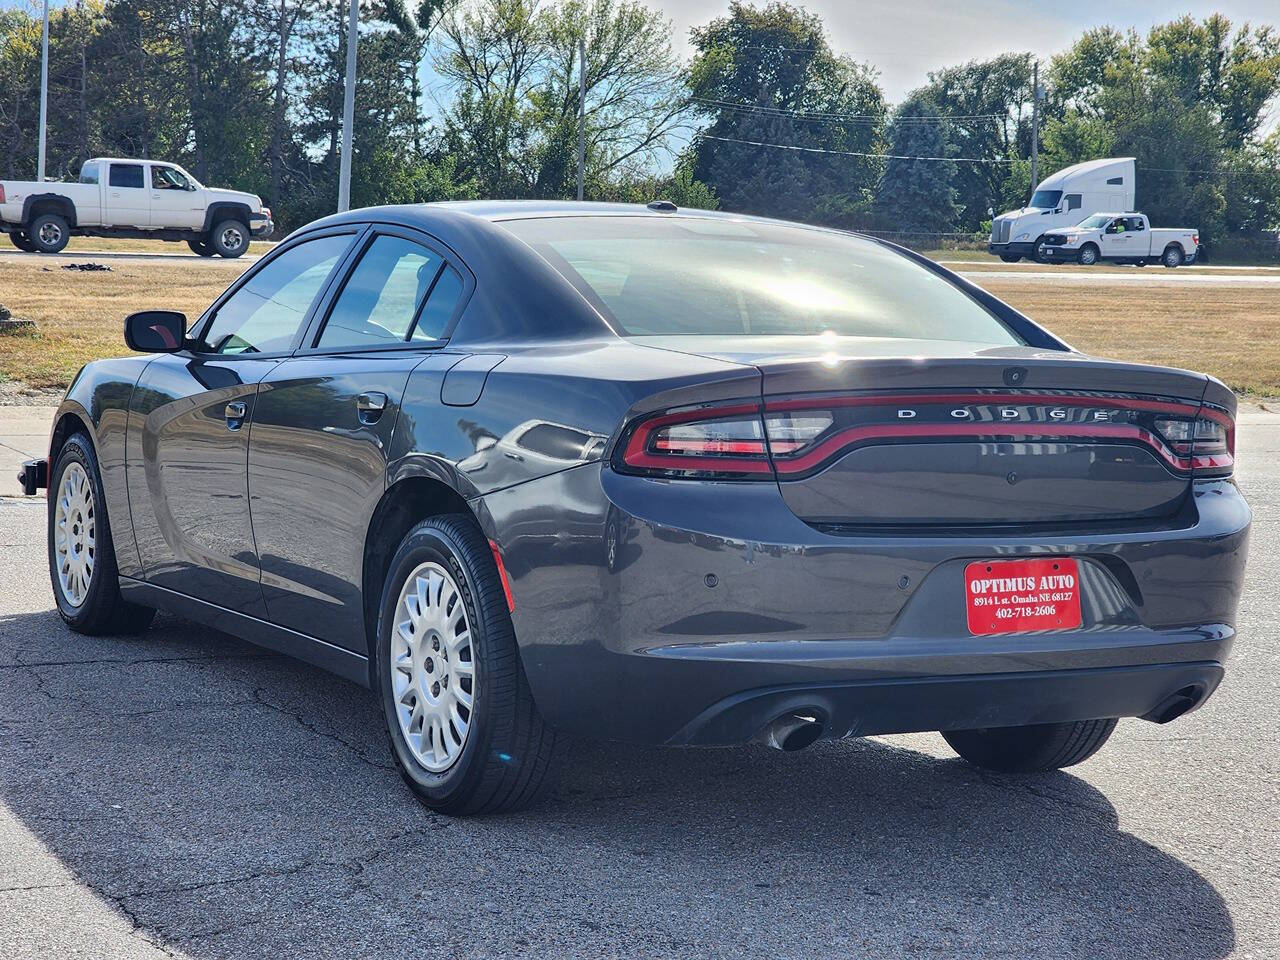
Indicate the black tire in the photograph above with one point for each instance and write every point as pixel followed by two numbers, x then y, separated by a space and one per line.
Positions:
pixel 1172 256
pixel 506 756
pixel 102 610
pixel 230 238
pixel 1048 746
pixel 49 233
pixel 1039 256
pixel 1089 255
pixel 22 242
pixel 1010 257
pixel 201 247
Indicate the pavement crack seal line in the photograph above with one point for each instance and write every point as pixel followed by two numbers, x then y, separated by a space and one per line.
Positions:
pixel 260 698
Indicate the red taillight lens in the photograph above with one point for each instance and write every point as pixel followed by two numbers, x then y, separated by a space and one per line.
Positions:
pixel 724 441
pixel 1206 442
pixel 1 193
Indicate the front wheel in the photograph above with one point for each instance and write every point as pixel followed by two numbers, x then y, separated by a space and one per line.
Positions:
pixel 464 731
pixel 1031 749
pixel 82 560
pixel 230 238
pixel 1088 255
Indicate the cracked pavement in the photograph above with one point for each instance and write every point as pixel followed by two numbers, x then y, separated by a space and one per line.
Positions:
pixel 184 794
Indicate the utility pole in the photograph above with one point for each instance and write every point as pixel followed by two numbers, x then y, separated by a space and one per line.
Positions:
pixel 348 112
pixel 1035 125
pixel 582 113
pixel 44 91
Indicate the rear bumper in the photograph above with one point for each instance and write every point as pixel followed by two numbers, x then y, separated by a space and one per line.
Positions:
pixel 717 610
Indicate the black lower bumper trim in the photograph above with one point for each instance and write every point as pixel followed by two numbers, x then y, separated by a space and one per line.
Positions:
pixel 918 704
pixel 34 476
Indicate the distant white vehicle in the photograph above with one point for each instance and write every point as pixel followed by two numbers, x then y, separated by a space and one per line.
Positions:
pixel 131 198
pixel 1063 200
pixel 1122 238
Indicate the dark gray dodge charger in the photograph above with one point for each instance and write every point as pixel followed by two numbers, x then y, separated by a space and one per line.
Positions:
pixel 654 475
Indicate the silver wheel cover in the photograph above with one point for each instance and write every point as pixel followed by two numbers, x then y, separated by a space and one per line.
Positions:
pixel 433 669
pixel 232 238
pixel 50 233
pixel 74 532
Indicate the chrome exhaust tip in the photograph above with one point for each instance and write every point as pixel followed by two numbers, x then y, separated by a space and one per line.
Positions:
pixel 792 731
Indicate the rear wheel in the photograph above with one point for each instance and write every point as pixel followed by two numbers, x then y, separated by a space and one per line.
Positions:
pixel 230 238
pixel 464 731
pixel 201 246
pixel 23 242
pixel 49 233
pixel 1010 257
pixel 1088 255
pixel 1040 256
pixel 82 560
pixel 1046 746
pixel 1172 257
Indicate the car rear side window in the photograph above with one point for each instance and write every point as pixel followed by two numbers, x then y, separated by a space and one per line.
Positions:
pixel 381 298
pixel 689 275
pixel 264 315
pixel 438 311
pixel 89 173
pixel 126 175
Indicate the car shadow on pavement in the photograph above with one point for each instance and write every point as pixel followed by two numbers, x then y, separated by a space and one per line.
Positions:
pixel 226 802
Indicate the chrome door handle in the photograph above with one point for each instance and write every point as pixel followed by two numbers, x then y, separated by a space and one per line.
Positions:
pixel 235 412
pixel 369 406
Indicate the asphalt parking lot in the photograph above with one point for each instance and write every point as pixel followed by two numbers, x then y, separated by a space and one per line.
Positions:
pixel 185 794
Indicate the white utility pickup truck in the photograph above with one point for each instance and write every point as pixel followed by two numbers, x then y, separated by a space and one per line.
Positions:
pixel 1121 238
pixel 131 198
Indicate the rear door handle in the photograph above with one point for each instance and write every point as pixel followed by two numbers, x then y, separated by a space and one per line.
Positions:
pixel 235 412
pixel 369 406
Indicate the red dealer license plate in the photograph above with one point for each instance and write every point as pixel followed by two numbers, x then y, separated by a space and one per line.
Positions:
pixel 1010 596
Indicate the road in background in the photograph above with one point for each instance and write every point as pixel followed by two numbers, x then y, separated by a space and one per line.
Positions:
pixel 186 794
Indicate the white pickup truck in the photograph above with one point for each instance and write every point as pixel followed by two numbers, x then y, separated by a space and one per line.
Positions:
pixel 131 198
pixel 1121 238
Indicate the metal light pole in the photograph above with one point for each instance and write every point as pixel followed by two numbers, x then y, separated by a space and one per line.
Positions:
pixel 44 90
pixel 1035 125
pixel 348 112
pixel 582 113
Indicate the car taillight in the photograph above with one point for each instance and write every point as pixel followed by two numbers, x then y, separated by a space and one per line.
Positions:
pixel 1 193
pixel 1208 441
pixel 708 442
pixel 729 442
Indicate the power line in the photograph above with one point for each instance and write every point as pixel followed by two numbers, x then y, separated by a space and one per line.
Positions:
pixel 831 115
pixel 853 153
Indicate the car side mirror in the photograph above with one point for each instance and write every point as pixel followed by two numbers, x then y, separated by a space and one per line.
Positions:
pixel 155 331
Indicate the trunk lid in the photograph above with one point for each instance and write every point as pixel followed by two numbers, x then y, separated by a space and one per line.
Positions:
pixel 892 433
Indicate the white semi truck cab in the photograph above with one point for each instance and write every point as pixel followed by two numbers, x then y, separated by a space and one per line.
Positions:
pixel 1063 200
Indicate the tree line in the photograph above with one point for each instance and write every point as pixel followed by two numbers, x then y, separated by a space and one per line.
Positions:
pixel 765 117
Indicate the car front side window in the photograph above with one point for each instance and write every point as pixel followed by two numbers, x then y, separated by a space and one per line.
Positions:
pixel 265 314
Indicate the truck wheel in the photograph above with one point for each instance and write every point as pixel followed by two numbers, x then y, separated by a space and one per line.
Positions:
pixel 49 233
pixel 82 559
pixel 230 238
pixel 1045 746
pixel 22 242
pixel 1040 256
pixel 1088 255
pixel 465 733
pixel 1010 257
pixel 1172 256
pixel 201 246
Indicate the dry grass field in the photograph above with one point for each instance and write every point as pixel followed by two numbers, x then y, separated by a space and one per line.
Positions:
pixel 1231 331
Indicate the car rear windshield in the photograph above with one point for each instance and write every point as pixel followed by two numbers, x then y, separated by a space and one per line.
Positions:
pixel 686 275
